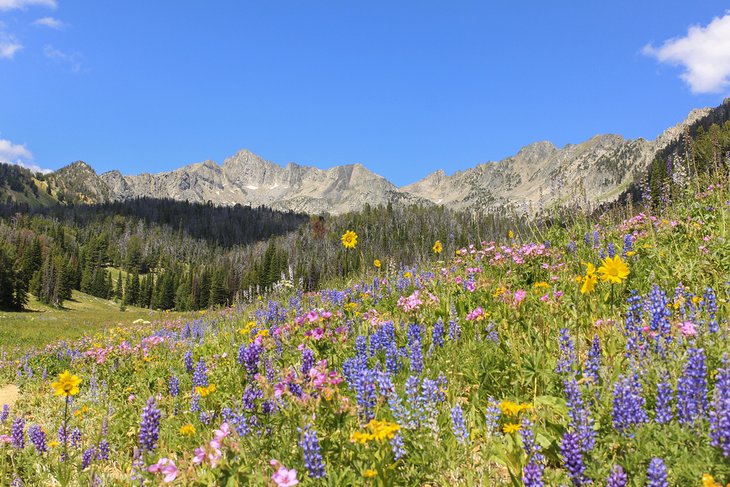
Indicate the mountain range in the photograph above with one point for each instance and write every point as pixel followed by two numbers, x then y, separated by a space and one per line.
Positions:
pixel 538 176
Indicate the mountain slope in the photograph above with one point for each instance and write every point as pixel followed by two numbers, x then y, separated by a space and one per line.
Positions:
pixel 539 175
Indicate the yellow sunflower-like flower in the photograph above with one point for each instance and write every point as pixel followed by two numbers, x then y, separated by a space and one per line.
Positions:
pixel 510 408
pixel 67 385
pixel 377 263
pixel 438 247
pixel 349 239
pixel 613 270
pixel 187 430
pixel 709 481
pixel 205 391
pixel 589 284
pixel 511 427
pixel 370 473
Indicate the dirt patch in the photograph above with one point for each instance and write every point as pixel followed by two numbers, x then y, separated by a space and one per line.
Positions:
pixel 8 394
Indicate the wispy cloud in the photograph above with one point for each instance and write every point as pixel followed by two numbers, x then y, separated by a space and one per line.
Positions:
pixel 704 53
pixel 19 155
pixel 21 4
pixel 9 45
pixel 72 59
pixel 50 22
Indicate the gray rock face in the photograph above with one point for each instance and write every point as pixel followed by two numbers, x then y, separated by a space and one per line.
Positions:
pixel 540 174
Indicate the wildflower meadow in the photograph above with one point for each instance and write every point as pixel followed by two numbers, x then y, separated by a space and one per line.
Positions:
pixel 596 353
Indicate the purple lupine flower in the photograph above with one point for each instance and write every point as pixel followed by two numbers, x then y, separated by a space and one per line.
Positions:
pixel 656 474
pixel 580 418
pixel 18 433
pixel 611 250
pixel 87 457
pixel 205 417
pixel 617 477
pixel 5 413
pixel 587 239
pixel 720 412
pixel 149 428
pixel 38 438
pixel 710 303
pixel 663 408
pixel 533 471
pixel 62 434
pixel 437 334
pixel 596 239
pixel 593 361
pixel 174 386
pixel 102 450
pixel 459 424
pixel 492 415
pixel 307 361
pixel 570 449
pixel 366 392
pixel 200 375
pixel 399 449
pixel 313 461
pixel 195 403
pixel 628 244
pixel 361 347
pixel 567 353
pixel 657 309
pixel 571 247
pixel 628 403
pixel 692 387
pixel 188 361
pixel 454 330
pixel 415 345
pixel 250 394
pixel 249 356
pixel 75 437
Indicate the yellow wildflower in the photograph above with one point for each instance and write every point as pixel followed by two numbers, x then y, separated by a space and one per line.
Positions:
pixel 377 263
pixel 349 239
pixel 205 391
pixel 438 247
pixel 511 234
pixel 589 284
pixel 369 473
pixel 407 275
pixel 613 270
pixel 510 408
pixel 81 411
pixel 187 430
pixel 541 284
pixel 709 481
pixel 512 428
pixel 67 385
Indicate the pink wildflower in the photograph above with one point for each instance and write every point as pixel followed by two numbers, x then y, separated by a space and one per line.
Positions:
pixel 688 329
pixel 166 467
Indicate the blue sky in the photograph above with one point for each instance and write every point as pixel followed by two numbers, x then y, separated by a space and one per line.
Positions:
pixel 403 87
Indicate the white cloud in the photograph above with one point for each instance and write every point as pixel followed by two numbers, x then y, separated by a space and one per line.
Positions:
pixel 19 155
pixel 16 4
pixel 9 45
pixel 704 53
pixel 72 59
pixel 50 22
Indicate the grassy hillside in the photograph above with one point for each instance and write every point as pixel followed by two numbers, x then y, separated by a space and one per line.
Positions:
pixel 83 315
pixel 508 363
